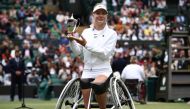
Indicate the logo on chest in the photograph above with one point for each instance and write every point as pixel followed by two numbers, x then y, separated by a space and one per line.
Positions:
pixel 97 35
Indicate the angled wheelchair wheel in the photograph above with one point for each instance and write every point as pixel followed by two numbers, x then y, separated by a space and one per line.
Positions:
pixel 70 96
pixel 121 96
pixel 110 100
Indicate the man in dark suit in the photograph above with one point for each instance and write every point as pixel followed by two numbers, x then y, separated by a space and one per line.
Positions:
pixel 17 68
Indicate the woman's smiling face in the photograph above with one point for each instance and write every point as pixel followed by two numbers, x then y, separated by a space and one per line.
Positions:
pixel 100 16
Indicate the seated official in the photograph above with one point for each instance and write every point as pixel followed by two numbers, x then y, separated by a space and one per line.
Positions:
pixel 135 71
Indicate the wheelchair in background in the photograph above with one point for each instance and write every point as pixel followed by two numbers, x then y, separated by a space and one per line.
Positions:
pixel 137 90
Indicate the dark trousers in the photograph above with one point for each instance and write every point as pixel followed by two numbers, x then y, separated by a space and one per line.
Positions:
pixel 16 81
pixel 142 91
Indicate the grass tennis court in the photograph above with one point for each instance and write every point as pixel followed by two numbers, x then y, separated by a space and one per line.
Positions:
pixel 41 104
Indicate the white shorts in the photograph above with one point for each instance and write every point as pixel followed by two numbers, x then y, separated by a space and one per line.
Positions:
pixel 88 73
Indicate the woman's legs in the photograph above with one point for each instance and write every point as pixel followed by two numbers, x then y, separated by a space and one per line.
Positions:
pixel 86 94
pixel 101 98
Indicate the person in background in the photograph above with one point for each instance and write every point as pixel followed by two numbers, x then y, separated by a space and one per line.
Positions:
pixel 33 77
pixel 17 68
pixel 135 71
pixel 1 75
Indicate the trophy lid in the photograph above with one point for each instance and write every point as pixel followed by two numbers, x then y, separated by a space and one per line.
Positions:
pixel 72 17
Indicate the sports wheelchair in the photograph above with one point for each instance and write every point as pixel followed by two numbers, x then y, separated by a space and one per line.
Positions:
pixel 137 90
pixel 118 96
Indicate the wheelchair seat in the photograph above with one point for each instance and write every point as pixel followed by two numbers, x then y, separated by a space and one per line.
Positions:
pixel 132 85
pixel 137 90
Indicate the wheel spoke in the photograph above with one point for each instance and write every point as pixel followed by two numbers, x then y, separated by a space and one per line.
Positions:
pixel 121 95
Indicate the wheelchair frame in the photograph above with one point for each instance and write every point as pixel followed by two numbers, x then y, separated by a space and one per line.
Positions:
pixel 118 96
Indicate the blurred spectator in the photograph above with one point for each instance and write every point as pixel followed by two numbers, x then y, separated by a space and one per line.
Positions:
pixel 118 63
pixel 42 49
pixel 75 72
pixel 21 14
pixel 45 88
pixel 157 57
pixel 181 5
pixel 187 4
pixel 38 64
pixel 55 32
pixel 60 17
pixel 27 52
pixel 127 2
pixel 182 64
pixel 135 71
pixel 33 78
pixel 153 70
pixel 12 52
pixel 159 4
pixel 188 61
pixel 115 5
pixel 1 75
pixel 5 57
pixel 5 64
pixel 63 73
pixel 180 19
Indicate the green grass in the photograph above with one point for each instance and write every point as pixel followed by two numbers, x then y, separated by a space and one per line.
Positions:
pixel 33 103
pixel 41 104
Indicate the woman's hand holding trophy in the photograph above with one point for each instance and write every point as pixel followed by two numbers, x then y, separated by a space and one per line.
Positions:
pixel 71 28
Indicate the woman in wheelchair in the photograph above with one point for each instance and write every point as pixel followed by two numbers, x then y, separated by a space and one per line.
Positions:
pixel 96 45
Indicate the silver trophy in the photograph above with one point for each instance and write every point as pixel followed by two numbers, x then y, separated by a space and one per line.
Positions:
pixel 72 24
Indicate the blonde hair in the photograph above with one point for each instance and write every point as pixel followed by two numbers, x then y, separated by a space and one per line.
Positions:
pixel 133 59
